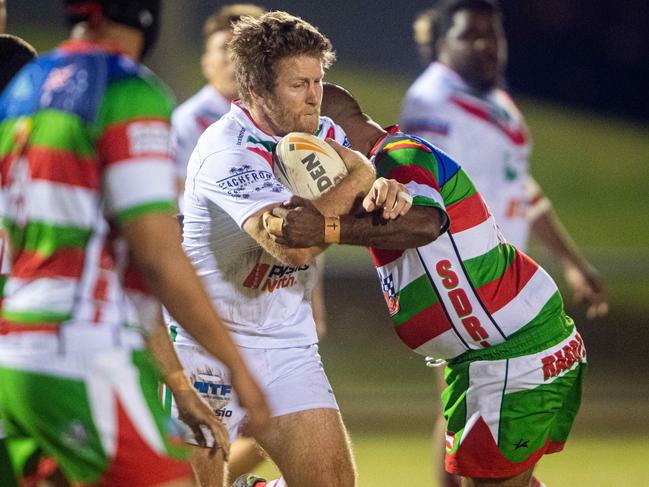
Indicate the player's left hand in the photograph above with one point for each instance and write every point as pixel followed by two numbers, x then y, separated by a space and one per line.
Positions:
pixel 296 224
pixel 391 195
pixel 195 412
pixel 588 288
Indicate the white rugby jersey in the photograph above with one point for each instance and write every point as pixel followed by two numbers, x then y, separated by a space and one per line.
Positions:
pixel 486 134
pixel 190 120
pixel 264 303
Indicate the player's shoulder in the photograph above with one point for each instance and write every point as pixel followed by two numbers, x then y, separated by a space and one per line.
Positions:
pixel 329 128
pixel 138 82
pixel 187 110
pixel 432 88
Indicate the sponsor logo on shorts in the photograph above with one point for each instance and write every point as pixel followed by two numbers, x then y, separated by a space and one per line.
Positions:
pixel 461 303
pixel 563 359
pixel 269 278
pixel 390 295
pixel 223 413
pixel 219 391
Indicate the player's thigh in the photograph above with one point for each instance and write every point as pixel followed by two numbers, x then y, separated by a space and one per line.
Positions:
pixel 310 448
pixel 307 438
pixel 208 467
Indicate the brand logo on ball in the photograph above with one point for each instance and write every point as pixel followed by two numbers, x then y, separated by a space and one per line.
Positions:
pixel 312 163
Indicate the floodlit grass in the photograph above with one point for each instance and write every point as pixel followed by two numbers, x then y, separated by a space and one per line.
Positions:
pixel 395 459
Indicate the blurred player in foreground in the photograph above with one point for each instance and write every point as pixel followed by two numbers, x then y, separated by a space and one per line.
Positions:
pixel 88 202
pixel 458 292
pixel 263 289
pixel 14 54
pixel 459 104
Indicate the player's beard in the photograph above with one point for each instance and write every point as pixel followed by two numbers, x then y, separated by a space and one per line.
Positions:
pixel 283 120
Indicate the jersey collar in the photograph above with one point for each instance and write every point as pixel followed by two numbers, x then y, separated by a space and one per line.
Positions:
pixel 244 116
pixel 392 129
pixel 84 46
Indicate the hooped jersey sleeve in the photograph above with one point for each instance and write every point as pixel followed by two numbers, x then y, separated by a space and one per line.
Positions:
pixel 239 181
pixel 134 146
pixel 413 163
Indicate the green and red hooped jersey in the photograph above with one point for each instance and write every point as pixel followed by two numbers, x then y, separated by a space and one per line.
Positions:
pixel 84 148
pixel 469 289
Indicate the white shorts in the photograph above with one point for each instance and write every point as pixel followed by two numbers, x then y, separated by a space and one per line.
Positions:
pixel 292 379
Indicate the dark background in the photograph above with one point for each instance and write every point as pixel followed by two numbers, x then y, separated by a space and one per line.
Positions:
pixel 586 53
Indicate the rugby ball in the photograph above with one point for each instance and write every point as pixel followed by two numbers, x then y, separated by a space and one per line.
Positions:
pixel 307 165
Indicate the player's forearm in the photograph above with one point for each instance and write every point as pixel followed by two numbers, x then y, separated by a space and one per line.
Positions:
pixel 548 229
pixel 340 199
pixel 160 346
pixel 418 227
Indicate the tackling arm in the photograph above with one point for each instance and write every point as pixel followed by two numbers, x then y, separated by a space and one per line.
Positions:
pixel 305 226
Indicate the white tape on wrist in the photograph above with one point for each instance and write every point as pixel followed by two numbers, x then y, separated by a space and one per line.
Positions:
pixel 405 196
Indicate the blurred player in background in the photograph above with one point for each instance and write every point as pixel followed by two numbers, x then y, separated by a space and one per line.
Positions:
pixel 459 292
pixel 192 117
pixel 88 203
pixel 459 104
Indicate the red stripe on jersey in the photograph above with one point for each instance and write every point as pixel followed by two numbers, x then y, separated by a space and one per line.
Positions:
pixel 406 174
pixel 263 153
pixel 135 138
pixel 66 262
pixel 331 133
pixel 9 328
pixel 467 213
pixel 499 292
pixel 382 257
pixel 61 166
pixel 518 137
pixel 424 326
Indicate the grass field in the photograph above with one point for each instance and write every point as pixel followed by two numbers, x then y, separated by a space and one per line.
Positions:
pixel 400 460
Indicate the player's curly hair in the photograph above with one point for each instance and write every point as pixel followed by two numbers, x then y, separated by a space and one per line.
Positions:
pixel 259 44
pixel 432 24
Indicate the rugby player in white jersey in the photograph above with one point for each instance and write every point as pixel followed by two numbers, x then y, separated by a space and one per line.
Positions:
pixel 189 121
pixel 262 288
pixel 459 104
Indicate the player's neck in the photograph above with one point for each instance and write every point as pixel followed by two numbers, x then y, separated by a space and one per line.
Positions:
pixel 258 116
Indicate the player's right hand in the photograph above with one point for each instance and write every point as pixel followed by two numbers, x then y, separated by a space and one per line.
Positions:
pixel 195 412
pixel 390 195
pixel 252 398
